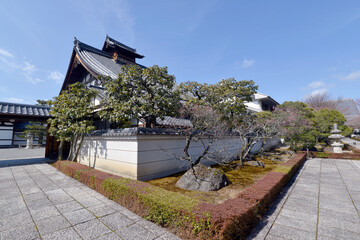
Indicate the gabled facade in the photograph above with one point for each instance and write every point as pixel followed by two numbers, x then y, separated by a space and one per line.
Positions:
pixel 87 62
pixel 261 102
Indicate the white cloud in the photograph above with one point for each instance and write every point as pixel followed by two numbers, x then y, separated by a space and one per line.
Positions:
pixel 317 84
pixel 247 63
pixel 9 65
pixel 57 76
pixel 319 92
pixel 351 76
pixel 29 68
pixel 5 53
pixel 33 80
pixel 14 100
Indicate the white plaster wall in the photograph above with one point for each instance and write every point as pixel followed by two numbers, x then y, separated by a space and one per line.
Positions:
pixel 111 154
pixel 146 157
pixel 271 143
pixel 158 156
pixel 6 135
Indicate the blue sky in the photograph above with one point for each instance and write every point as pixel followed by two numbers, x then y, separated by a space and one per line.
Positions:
pixel 289 48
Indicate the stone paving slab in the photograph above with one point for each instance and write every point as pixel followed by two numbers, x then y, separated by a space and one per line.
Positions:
pixel 321 202
pixel 39 202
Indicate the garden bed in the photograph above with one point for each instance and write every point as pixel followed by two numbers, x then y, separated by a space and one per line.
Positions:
pixel 239 179
pixel 345 155
pixel 190 218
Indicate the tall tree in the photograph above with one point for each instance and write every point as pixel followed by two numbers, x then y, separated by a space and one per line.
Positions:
pixel 138 92
pixel 219 108
pixel 295 119
pixel 319 101
pixel 323 123
pixel 71 117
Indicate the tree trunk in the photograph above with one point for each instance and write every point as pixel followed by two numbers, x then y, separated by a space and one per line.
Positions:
pixel 78 147
pixel 60 150
pixel 150 122
pixel 72 148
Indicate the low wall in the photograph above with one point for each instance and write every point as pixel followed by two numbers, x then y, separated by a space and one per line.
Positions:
pixel 144 154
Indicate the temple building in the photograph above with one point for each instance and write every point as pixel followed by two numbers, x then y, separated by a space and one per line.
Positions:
pixel 88 63
pixel 14 117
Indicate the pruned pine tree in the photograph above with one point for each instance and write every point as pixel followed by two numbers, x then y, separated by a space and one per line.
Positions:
pixel 71 117
pixel 140 93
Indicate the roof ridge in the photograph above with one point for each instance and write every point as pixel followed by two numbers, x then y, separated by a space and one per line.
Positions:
pixel 80 45
pixel 119 44
pixel 24 105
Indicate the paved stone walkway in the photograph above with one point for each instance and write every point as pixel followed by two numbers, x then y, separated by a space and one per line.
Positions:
pixel 321 202
pixel 39 202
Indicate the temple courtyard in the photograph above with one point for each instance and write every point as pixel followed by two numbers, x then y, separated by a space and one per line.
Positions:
pixel 37 201
pixel 321 202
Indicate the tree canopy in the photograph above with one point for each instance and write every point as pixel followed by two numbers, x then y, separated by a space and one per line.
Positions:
pixel 139 92
pixel 71 114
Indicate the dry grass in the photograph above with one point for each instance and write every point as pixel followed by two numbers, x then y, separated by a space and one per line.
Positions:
pixel 239 178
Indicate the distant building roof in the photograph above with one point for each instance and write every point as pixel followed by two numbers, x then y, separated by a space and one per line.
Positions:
pixel 18 109
pixel 259 102
pixel 173 122
pixel 348 108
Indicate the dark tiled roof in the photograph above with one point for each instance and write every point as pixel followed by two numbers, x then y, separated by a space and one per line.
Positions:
pixel 100 62
pixel 119 44
pixel 24 109
pixel 113 43
pixel 173 122
pixel 136 131
pixel 348 108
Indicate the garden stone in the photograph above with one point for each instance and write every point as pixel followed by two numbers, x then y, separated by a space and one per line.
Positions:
pixel 256 163
pixel 205 179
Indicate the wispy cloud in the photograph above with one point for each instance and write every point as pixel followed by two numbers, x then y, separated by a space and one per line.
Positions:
pixel 34 80
pixel 13 100
pixel 319 91
pixel 57 76
pixel 317 84
pixel 99 14
pixel 27 70
pixel 318 87
pixel 351 76
pixel 28 67
pixel 5 53
pixel 247 63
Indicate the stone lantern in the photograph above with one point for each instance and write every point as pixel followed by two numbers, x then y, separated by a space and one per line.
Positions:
pixel 336 137
pixel 29 141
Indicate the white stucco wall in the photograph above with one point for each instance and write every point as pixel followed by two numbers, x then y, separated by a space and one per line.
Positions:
pixel 145 157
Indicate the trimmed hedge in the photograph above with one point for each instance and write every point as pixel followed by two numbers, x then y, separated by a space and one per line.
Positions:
pixel 351 156
pixel 188 218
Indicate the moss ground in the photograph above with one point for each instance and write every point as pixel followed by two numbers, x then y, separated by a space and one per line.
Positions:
pixel 239 179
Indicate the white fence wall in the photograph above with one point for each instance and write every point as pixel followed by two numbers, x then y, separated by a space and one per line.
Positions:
pixel 146 157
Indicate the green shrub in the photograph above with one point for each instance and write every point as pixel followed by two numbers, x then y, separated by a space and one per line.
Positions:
pixel 162 207
pixel 322 155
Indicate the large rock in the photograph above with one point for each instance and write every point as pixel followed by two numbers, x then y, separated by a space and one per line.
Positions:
pixel 205 179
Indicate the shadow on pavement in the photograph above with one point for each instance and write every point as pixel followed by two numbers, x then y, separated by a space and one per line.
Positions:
pixel 24 161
